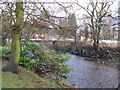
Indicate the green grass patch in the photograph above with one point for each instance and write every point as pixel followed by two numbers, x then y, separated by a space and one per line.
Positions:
pixel 28 79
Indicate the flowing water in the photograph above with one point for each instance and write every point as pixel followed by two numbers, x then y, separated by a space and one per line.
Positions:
pixel 89 74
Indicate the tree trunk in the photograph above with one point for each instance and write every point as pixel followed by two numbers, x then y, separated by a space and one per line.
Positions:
pixel 95 42
pixel 13 63
pixel 75 37
pixel 96 39
pixel 15 54
pixel 76 45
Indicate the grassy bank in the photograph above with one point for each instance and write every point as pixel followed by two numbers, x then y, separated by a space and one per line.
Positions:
pixel 28 79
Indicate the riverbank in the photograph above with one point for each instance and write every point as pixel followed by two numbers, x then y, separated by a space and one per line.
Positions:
pixel 105 54
pixel 108 56
pixel 28 79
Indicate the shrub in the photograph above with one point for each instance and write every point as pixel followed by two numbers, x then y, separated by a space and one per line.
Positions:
pixel 6 53
pixel 56 64
pixel 60 48
pixel 38 58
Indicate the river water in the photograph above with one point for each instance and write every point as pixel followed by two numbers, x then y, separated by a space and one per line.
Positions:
pixel 89 74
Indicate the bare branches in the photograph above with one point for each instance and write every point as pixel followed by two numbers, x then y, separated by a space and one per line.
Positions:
pixel 87 10
pixel 38 14
pixel 97 12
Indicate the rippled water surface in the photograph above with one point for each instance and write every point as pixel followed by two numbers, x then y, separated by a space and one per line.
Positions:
pixel 89 74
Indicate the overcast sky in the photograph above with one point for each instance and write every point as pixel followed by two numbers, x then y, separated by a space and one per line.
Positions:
pixel 83 3
pixel 59 12
pixel 79 13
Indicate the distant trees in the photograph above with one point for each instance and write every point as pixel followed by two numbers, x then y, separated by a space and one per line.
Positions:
pixel 68 26
pixel 6 33
pixel 63 29
pixel 97 11
pixel 7 20
pixel 72 25
pixel 86 32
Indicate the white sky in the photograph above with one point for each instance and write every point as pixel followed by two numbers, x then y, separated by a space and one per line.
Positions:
pixel 82 3
pixel 78 13
pixel 58 12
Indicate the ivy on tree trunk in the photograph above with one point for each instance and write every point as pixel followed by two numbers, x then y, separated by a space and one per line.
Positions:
pixel 13 63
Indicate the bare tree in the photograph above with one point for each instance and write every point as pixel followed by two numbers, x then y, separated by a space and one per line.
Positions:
pixel 97 11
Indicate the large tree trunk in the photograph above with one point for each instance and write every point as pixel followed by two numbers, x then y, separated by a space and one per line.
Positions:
pixel 13 63
pixel 15 54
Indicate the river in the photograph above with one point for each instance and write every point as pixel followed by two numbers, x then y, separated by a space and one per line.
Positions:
pixel 89 74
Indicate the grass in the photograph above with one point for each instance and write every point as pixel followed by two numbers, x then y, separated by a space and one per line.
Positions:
pixel 28 79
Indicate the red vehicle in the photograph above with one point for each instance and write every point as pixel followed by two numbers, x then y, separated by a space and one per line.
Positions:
pixel 40 36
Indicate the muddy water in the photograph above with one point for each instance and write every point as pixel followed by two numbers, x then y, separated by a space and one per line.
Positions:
pixel 89 74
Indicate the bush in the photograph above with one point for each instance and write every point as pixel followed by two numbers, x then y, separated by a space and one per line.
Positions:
pixel 38 58
pixel 60 48
pixel 56 64
pixel 6 53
